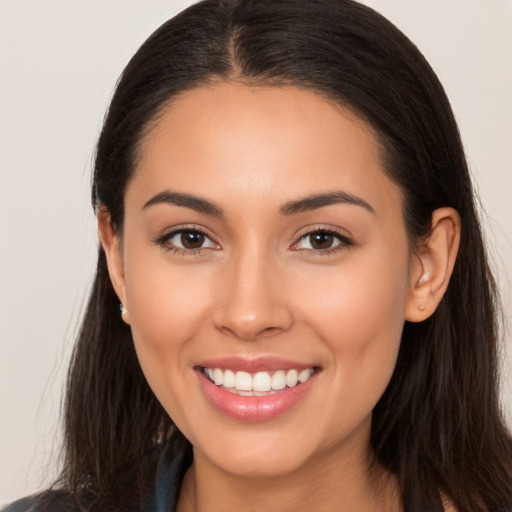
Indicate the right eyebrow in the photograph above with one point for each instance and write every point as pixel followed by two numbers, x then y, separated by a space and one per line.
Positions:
pixel 316 201
pixel 186 200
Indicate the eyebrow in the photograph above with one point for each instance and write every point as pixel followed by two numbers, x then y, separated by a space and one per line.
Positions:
pixel 187 200
pixel 316 201
pixel 304 204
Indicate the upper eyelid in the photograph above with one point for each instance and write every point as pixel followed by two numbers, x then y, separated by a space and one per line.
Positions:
pixel 301 233
pixel 186 227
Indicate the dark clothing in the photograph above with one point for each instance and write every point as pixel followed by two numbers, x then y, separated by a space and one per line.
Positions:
pixel 171 467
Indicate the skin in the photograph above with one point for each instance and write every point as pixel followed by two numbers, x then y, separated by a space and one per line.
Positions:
pixel 258 288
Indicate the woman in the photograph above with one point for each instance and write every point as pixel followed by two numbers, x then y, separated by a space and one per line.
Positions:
pixel 292 307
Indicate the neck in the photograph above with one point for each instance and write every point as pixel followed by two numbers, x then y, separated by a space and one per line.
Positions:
pixel 340 480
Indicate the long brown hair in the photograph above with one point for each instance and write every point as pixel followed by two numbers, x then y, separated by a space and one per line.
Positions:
pixel 438 426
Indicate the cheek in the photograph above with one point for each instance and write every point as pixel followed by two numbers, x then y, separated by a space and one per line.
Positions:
pixel 155 306
pixel 167 305
pixel 367 296
pixel 358 311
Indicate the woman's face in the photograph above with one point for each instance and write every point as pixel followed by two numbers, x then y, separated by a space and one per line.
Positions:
pixel 263 246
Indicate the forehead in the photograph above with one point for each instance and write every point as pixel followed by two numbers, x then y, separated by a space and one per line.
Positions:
pixel 230 140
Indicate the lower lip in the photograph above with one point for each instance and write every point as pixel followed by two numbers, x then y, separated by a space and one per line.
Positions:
pixel 254 408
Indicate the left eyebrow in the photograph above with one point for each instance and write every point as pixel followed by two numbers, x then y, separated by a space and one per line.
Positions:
pixel 187 201
pixel 316 201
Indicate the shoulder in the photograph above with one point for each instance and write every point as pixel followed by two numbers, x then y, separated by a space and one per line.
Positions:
pixel 171 461
pixel 23 505
pixel 51 501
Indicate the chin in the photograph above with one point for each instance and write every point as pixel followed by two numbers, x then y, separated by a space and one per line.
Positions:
pixel 256 466
pixel 259 454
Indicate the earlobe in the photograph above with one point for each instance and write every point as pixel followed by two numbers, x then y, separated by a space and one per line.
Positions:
pixel 113 252
pixel 433 265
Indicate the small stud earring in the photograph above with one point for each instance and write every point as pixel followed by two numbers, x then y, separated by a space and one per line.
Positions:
pixel 421 307
pixel 122 308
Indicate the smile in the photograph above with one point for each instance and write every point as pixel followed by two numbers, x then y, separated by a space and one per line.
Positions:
pixel 257 390
pixel 257 384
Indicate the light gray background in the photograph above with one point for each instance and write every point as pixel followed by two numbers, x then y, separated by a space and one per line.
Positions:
pixel 59 60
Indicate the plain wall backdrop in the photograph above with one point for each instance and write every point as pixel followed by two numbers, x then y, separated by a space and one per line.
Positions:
pixel 59 61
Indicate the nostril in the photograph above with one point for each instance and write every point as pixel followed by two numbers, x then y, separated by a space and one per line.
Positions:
pixel 271 331
pixel 248 334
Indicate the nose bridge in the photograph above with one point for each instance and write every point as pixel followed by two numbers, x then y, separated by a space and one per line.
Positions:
pixel 252 300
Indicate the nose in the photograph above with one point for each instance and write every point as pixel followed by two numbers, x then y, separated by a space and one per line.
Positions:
pixel 252 300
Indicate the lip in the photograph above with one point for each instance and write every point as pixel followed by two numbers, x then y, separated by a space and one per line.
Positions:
pixel 254 365
pixel 254 408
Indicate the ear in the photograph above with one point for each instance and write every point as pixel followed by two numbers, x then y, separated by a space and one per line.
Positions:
pixel 432 265
pixel 111 244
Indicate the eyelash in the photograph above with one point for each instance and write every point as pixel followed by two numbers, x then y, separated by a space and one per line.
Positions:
pixel 344 241
pixel 163 241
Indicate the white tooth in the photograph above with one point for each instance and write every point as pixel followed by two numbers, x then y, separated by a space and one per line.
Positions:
pixel 291 378
pixel 305 374
pixel 210 373
pixel 262 382
pixel 279 380
pixel 243 381
pixel 245 393
pixel 218 376
pixel 229 379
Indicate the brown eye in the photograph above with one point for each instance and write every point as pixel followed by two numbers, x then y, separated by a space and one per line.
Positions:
pixel 192 239
pixel 321 240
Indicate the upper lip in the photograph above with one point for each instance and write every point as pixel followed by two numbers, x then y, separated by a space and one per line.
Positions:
pixel 253 365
